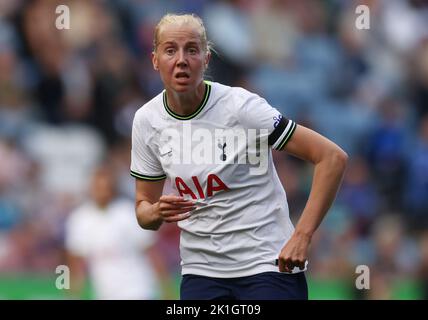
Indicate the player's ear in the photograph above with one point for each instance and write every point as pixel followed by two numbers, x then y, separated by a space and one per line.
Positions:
pixel 207 59
pixel 155 61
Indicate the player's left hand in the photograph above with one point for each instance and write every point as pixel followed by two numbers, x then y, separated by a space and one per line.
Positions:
pixel 294 253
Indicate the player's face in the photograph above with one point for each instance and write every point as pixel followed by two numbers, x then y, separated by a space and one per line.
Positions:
pixel 103 189
pixel 180 57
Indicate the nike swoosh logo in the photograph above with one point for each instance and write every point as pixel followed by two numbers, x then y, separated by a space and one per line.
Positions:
pixel 166 153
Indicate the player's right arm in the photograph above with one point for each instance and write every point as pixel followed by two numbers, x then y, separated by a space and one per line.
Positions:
pixel 152 208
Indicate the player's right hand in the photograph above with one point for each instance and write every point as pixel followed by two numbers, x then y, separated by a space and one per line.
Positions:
pixel 172 208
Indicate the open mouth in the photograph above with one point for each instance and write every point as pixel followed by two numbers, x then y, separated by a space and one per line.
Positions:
pixel 182 75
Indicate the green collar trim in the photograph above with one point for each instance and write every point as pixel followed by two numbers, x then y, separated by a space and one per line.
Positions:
pixel 198 110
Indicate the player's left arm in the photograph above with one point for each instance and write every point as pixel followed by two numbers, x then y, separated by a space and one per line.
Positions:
pixel 329 165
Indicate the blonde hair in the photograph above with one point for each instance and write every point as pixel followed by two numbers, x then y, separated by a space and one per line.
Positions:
pixel 182 19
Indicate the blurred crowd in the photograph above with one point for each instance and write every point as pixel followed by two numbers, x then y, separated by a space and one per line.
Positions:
pixel 68 97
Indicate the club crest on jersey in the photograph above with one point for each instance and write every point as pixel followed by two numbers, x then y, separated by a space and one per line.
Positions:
pixel 222 146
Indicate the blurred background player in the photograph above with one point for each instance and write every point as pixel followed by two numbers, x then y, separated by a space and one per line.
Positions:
pixel 104 241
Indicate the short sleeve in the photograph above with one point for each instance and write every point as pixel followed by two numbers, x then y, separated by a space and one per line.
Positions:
pixel 144 162
pixel 255 113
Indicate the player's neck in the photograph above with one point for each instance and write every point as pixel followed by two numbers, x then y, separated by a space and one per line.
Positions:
pixel 185 103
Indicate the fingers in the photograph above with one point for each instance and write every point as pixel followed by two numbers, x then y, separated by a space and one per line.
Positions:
pixel 173 212
pixel 288 264
pixel 177 217
pixel 174 215
pixel 170 198
pixel 174 208
pixel 173 199
pixel 285 266
pixel 174 202
pixel 294 253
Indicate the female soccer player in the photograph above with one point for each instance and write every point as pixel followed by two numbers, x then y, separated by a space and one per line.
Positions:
pixel 214 144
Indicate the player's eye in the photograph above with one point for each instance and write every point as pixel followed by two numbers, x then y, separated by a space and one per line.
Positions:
pixel 170 51
pixel 193 50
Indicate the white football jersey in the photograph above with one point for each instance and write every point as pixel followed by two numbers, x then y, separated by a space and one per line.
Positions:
pixel 221 157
